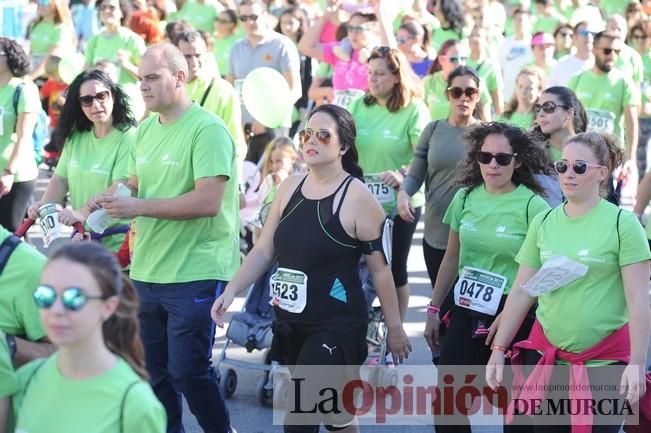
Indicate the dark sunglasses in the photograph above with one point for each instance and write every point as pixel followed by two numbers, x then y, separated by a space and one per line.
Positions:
pixel 87 101
pixel 566 34
pixel 245 18
pixel 609 51
pixel 323 136
pixel 503 159
pixel 223 21
pixel 72 298
pixel 579 167
pixel 458 59
pixel 457 92
pixel 548 107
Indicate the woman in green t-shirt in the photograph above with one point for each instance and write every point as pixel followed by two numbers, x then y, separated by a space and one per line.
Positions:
pixel 390 118
pixel 52 31
pixel 610 301
pixel 529 84
pixel 89 310
pixel 224 38
pixel 116 42
pixel 452 18
pixel 18 169
pixel 488 219
pixel 96 128
pixel 8 382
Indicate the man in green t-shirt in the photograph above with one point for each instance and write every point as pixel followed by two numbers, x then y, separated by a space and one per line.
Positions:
pixel 610 98
pixel 183 174
pixel 206 87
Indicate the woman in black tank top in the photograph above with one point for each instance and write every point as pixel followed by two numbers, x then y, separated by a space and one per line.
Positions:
pixel 315 228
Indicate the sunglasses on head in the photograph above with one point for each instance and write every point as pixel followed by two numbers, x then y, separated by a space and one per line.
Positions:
pixel 548 107
pixel 87 100
pixel 609 51
pixel 503 159
pixel 457 92
pixel 245 18
pixel 323 136
pixel 579 167
pixel 72 298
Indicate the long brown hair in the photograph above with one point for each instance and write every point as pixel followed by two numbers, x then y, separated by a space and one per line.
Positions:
pixel 408 86
pixel 121 330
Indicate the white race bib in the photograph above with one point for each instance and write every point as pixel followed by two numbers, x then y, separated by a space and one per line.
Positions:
pixel 479 290
pixel 343 98
pixel 288 290
pixel 380 191
pixel 600 120
pixel 50 224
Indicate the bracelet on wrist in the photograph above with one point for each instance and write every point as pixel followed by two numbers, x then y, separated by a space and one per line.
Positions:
pixel 499 348
pixel 433 310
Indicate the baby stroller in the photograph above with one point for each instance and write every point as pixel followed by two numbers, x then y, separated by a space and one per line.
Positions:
pixel 251 329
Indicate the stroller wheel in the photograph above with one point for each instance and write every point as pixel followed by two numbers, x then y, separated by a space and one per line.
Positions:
pixel 262 392
pixel 228 383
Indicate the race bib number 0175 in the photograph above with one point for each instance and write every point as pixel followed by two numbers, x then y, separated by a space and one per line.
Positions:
pixel 288 290
pixel 479 290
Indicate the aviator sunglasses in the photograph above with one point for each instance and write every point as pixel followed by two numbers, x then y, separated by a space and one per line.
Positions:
pixel 87 101
pixel 456 92
pixel 548 107
pixel 72 298
pixel 579 167
pixel 323 136
pixel 503 159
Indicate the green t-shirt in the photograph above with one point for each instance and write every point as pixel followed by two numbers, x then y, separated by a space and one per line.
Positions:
pixel 489 74
pixel 630 64
pixel 44 36
pixel 546 24
pixel 90 165
pixel 612 7
pixel 441 35
pixel 201 16
pixel 223 102
pixel 100 404
pixel 521 120
pixel 105 47
pixel 604 97
pixel 567 315
pixel 386 141
pixel 555 154
pixel 22 274
pixel 492 227
pixel 29 102
pixel 223 51
pixel 8 379
pixel 439 106
pixel 168 160
pixel 646 83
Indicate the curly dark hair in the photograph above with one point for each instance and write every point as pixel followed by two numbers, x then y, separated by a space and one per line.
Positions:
pixel 17 59
pixel 74 120
pixel 452 10
pixel 532 157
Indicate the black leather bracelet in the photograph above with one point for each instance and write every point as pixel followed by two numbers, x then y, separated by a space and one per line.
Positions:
pixel 11 342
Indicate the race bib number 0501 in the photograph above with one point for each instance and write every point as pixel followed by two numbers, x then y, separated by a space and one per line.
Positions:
pixel 288 290
pixel 600 120
pixel 479 290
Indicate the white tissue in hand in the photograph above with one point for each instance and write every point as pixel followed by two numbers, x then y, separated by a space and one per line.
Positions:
pixel 100 220
pixel 555 273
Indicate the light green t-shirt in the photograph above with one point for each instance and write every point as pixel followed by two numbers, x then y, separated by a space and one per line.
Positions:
pixel 646 83
pixel 22 274
pixel 546 24
pixel 604 97
pixel 386 141
pixel 44 36
pixel 441 35
pixel 100 404
pixel 223 102
pixel 201 16
pixel 521 120
pixel 90 165
pixel 8 379
pixel 630 64
pixel 168 160
pixel 612 7
pixel 489 73
pixel 584 312
pixel 105 47
pixel 492 227
pixel 436 100
pixel 29 102
pixel 223 51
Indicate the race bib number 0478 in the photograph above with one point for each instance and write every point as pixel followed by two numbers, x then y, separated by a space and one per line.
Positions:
pixel 479 290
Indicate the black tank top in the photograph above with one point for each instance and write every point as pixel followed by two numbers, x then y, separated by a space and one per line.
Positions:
pixel 310 240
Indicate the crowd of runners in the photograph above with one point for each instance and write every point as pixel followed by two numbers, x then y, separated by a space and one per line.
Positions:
pixel 510 128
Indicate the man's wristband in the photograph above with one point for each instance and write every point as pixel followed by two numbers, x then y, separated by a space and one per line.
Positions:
pixel 11 342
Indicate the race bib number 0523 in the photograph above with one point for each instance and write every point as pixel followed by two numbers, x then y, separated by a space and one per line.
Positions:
pixel 479 290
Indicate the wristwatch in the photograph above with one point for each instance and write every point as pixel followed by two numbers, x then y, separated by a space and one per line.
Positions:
pixel 11 342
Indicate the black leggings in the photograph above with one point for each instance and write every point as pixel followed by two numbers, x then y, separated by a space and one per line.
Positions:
pixel 403 233
pixel 433 258
pixel 13 206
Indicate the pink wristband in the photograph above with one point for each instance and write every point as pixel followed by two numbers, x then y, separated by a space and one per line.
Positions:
pixel 433 310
